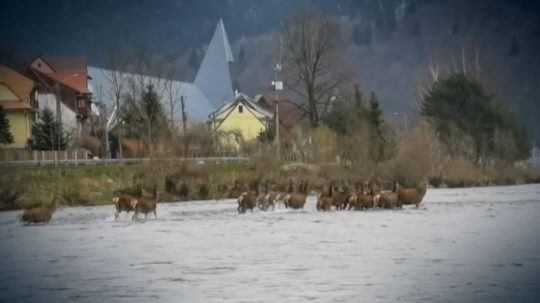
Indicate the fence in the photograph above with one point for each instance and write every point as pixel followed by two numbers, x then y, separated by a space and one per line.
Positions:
pixel 43 155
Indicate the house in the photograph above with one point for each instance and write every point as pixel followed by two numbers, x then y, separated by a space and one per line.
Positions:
pixel 65 79
pixel 16 97
pixel 290 113
pixel 241 116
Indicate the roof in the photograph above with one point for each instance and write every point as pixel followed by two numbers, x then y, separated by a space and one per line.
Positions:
pixel 289 112
pixel 247 101
pixel 197 105
pixel 15 105
pixel 66 64
pixel 19 84
pixel 213 76
pixel 70 71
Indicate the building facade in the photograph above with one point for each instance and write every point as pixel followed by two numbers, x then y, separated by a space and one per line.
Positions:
pixel 16 98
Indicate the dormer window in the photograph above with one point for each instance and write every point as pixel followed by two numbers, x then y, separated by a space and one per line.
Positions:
pixel 240 108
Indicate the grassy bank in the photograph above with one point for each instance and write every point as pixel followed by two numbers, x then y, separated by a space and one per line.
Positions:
pixel 96 185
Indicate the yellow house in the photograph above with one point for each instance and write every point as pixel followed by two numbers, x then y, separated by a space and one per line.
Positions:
pixel 15 97
pixel 240 117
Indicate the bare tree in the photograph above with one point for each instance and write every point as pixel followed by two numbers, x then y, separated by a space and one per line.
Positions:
pixel 173 94
pixel 116 88
pixel 312 61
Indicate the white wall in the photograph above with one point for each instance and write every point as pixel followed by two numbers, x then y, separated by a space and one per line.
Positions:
pixel 69 118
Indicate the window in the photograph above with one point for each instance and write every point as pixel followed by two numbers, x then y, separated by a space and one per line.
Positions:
pixel 240 108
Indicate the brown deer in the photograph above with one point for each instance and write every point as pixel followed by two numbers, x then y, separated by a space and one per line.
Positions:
pixel 362 198
pixel 340 198
pixel 247 200
pixel 412 196
pixel 123 203
pixel 296 200
pixel 265 200
pixel 145 205
pixel 324 201
pixel 39 214
pixel 389 200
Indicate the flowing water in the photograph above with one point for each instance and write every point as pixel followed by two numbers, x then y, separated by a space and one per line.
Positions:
pixel 462 245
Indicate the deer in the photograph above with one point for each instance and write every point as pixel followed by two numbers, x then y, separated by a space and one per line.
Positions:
pixel 340 198
pixel 123 203
pixel 389 200
pixel 412 196
pixel 296 200
pixel 248 199
pixel 145 205
pixel 266 200
pixel 39 214
pixel 324 201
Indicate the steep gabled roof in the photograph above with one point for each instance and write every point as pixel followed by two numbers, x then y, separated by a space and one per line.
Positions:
pixel 245 100
pixel 19 84
pixel 70 71
pixel 214 77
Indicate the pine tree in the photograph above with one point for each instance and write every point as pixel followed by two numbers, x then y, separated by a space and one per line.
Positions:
pixel 459 108
pixel 5 135
pixel 47 133
pixel 382 139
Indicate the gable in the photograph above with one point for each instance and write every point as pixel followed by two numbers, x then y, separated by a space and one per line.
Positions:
pixel 42 66
pixel 240 118
pixel 7 94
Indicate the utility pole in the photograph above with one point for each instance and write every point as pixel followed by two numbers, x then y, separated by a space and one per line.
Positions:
pixel 121 131
pixel 58 114
pixel 278 86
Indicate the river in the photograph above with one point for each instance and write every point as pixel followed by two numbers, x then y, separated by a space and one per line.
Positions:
pixel 461 245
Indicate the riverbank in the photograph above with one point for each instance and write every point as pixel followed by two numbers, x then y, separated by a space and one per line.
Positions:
pixel 25 187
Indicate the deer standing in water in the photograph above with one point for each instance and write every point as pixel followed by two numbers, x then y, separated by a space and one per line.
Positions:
pixel 412 196
pixel 296 200
pixel 145 205
pixel 123 203
pixel 324 201
pixel 39 214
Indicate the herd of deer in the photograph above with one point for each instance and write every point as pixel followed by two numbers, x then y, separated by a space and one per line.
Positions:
pixel 365 195
pixel 122 203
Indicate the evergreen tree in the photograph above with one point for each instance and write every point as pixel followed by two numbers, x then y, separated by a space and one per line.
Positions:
pixel 144 117
pixel 47 133
pixel 382 141
pixel 5 135
pixel 459 109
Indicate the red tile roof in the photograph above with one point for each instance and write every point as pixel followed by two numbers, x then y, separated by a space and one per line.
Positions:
pixel 70 71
